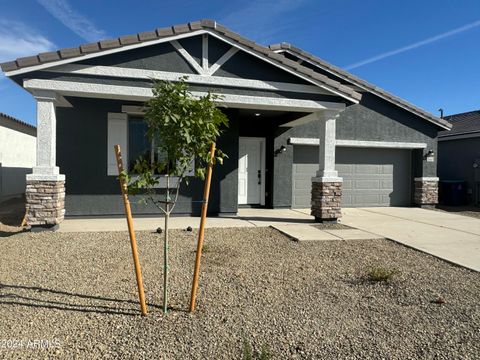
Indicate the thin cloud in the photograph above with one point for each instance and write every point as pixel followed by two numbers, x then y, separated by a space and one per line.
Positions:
pixel 79 24
pixel 261 19
pixel 19 40
pixel 414 45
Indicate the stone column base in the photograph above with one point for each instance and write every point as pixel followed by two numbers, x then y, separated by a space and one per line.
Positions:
pixel 326 200
pixel 45 203
pixel 426 192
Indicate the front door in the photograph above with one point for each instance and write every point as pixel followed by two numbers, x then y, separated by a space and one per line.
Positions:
pixel 251 171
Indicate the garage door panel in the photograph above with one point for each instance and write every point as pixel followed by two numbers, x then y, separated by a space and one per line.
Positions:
pixel 306 169
pixel 302 201
pixel 387 184
pixel 387 169
pixel 345 169
pixel 347 183
pixel 367 184
pixel 371 177
pixel 364 169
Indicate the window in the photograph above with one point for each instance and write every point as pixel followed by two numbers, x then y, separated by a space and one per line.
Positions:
pixel 130 132
pixel 138 142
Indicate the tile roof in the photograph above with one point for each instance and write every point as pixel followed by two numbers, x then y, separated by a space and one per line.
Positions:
pixel 5 116
pixel 210 25
pixel 464 123
pixel 361 83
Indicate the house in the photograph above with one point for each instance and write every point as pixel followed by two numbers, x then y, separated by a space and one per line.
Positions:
pixel 17 155
pixel 302 132
pixel 459 152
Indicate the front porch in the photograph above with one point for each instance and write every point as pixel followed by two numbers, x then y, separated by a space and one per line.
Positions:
pixel 245 218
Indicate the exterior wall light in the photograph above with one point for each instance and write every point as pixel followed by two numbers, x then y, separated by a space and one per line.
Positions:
pixel 430 156
pixel 280 150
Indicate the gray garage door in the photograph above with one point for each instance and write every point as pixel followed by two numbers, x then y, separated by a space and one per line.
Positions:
pixel 371 177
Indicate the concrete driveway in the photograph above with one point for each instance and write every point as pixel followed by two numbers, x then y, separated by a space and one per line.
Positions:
pixel 455 238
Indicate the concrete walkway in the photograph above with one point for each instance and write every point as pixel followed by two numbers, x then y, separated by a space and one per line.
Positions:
pixel 306 232
pixel 245 218
pixel 455 238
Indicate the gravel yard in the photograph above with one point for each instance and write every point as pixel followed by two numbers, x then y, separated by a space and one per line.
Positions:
pixel 306 300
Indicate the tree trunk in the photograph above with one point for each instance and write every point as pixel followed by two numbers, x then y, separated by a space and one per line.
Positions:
pixel 165 248
pixel 165 262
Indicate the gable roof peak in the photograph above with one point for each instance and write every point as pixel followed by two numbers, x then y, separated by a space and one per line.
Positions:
pixel 123 43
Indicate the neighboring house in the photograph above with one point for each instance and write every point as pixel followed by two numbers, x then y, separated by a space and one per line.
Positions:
pixel 459 152
pixel 17 155
pixel 292 117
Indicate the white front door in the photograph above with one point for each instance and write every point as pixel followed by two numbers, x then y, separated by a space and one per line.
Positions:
pixel 251 171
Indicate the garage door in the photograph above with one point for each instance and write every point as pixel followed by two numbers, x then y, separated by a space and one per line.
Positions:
pixel 371 177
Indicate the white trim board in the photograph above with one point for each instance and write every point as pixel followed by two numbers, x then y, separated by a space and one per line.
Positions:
pixel 205 64
pixel 223 59
pixel 426 179
pixel 193 63
pixel 322 116
pixel 129 73
pixel 141 94
pixel 356 86
pixel 360 143
pixel 380 144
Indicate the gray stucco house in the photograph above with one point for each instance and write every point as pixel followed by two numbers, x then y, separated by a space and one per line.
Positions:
pixel 302 132
pixel 459 152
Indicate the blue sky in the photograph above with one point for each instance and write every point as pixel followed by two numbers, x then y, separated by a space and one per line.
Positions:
pixel 427 52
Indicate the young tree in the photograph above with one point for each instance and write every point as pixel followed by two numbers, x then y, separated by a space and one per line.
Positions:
pixel 181 129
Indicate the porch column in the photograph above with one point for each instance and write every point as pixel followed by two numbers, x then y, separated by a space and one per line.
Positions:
pixel 426 180
pixel 426 191
pixel 45 193
pixel 327 186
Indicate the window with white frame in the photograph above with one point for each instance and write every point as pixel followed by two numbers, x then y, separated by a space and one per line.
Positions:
pixel 130 132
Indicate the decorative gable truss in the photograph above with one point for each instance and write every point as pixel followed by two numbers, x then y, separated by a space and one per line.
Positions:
pixel 204 69
pixel 204 74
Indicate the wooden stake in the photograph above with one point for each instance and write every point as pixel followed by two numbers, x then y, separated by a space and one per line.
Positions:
pixel 133 240
pixel 201 232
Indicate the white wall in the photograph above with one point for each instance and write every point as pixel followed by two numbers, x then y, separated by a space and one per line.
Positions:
pixel 17 157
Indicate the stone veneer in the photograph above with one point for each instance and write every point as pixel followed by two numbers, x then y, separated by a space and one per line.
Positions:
pixel 426 192
pixel 45 202
pixel 326 200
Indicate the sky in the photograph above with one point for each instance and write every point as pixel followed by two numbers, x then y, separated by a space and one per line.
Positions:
pixel 425 51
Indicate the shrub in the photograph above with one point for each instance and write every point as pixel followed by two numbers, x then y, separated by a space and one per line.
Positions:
pixel 381 274
pixel 249 354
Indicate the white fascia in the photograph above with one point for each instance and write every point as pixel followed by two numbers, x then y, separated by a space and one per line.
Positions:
pixel 426 178
pixel 360 143
pixel 128 73
pixel 119 92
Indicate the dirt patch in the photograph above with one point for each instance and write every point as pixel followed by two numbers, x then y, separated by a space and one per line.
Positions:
pixel 300 300
pixel 337 226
